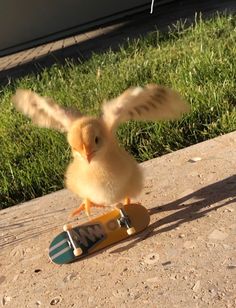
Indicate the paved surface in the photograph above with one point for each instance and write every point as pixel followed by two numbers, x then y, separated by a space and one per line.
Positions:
pixel 109 36
pixel 186 258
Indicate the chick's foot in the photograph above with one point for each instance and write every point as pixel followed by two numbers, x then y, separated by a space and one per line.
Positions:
pixel 86 206
pixel 127 201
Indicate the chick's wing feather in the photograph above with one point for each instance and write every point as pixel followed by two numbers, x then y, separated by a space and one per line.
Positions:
pixel 150 103
pixel 44 111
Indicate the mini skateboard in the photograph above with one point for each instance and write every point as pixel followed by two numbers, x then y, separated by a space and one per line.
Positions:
pixel 77 242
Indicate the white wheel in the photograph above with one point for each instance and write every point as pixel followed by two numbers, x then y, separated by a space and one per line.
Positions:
pixel 131 230
pixel 77 252
pixel 67 227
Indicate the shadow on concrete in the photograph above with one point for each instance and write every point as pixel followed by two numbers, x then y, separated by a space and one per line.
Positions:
pixel 132 27
pixel 199 204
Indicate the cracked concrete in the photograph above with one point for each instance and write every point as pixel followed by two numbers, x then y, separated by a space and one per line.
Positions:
pixel 186 258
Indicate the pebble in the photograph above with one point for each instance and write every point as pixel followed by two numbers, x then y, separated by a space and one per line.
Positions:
pixel 212 291
pixel 69 277
pixel 15 278
pixel 181 235
pixel 194 159
pixel 229 209
pixel 6 299
pixel 210 245
pixel 55 301
pixel 192 270
pixel 217 235
pixel 196 286
pixel 152 258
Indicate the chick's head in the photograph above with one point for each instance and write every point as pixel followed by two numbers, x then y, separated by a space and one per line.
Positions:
pixel 88 138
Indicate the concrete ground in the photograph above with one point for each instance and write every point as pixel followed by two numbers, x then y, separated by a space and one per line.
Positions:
pixel 186 258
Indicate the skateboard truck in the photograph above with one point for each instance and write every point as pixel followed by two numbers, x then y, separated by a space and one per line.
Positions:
pixel 77 250
pixel 124 221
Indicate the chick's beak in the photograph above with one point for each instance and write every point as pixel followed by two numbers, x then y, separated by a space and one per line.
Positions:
pixel 87 153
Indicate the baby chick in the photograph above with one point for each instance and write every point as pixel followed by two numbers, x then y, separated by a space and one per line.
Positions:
pixel 102 173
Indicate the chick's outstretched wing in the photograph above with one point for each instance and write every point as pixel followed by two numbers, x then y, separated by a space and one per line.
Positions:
pixel 44 111
pixel 151 103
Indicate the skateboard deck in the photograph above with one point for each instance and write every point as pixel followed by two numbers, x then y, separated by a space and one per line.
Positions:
pixel 77 242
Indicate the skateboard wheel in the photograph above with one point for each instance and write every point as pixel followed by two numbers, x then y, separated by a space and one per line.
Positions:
pixel 77 252
pixel 131 230
pixel 67 227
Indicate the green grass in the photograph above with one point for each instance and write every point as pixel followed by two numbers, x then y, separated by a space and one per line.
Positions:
pixel 198 61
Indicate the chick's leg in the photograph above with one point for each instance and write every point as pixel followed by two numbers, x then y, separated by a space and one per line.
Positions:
pixel 78 210
pixel 127 201
pixel 85 206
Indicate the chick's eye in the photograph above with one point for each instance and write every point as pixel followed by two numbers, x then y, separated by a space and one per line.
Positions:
pixel 96 140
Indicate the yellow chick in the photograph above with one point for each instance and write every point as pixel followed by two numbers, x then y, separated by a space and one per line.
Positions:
pixel 101 172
